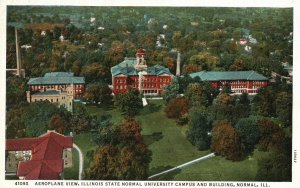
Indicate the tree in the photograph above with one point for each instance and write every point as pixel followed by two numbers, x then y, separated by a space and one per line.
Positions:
pixel 226 142
pixel 126 159
pixel 104 132
pixel 223 107
pixel 15 126
pixel 271 135
pixel 99 93
pixel 135 156
pixel 104 165
pixel 196 95
pixel 37 117
pixel 15 91
pixel 284 103
pixel 177 107
pixel 130 102
pixel 277 165
pixel 199 128
pixel 263 102
pixel 80 120
pixel 242 108
pixel 248 132
pixel 171 91
pixel 57 123
pixel 93 72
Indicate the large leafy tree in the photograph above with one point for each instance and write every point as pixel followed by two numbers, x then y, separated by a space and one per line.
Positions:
pixel 264 102
pixel 177 107
pixel 284 104
pixel 125 158
pixel 196 95
pixel 37 117
pixel 80 120
pixel 171 91
pixel 271 135
pixel 15 91
pixel 248 131
pixel 99 93
pixel 57 123
pixel 223 107
pixel 104 165
pixel 226 141
pixel 130 102
pixel 15 126
pixel 199 129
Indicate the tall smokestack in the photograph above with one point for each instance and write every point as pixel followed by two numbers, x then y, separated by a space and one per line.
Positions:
pixel 178 64
pixel 18 57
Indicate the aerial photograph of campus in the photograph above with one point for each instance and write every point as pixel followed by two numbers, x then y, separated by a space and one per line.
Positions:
pixel 149 93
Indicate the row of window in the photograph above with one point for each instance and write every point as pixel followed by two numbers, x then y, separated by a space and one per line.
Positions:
pixel 145 80
pixel 142 85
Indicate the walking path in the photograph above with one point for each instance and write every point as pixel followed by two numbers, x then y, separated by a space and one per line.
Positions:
pixel 183 165
pixel 80 161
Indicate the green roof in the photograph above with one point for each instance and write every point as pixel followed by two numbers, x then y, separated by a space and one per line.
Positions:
pixel 57 78
pixel 127 68
pixel 228 75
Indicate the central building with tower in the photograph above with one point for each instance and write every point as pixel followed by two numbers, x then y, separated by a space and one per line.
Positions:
pixel 134 73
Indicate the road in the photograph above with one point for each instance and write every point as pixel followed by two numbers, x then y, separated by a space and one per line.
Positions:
pixel 80 161
pixel 183 165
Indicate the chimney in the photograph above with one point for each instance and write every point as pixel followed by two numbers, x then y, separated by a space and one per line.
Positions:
pixel 178 64
pixel 18 56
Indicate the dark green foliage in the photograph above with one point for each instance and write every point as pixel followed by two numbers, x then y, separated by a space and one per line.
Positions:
pixel 15 91
pixel 242 107
pixel 80 120
pixel 99 93
pixel 223 107
pixel 248 132
pixel 171 91
pixel 277 165
pixel 199 128
pixel 103 131
pixel 264 102
pixel 284 103
pixel 129 103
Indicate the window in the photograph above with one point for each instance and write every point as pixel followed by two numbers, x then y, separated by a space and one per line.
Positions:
pixel 51 100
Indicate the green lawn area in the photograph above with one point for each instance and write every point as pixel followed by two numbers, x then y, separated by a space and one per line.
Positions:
pixel 84 142
pixel 170 148
pixel 72 172
pixel 165 139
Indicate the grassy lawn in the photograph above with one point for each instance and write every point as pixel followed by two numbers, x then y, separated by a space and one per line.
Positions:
pixel 220 169
pixel 165 139
pixel 72 172
pixel 170 148
pixel 84 142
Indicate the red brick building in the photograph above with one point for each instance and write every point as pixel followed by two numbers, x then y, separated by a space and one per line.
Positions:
pixel 238 81
pixel 134 73
pixel 42 157
pixel 58 81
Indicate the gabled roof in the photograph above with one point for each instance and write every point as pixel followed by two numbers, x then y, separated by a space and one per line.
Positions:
pixel 47 153
pixel 57 78
pixel 126 68
pixel 228 75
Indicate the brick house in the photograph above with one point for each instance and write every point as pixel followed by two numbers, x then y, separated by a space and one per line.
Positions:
pixel 134 73
pixel 238 81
